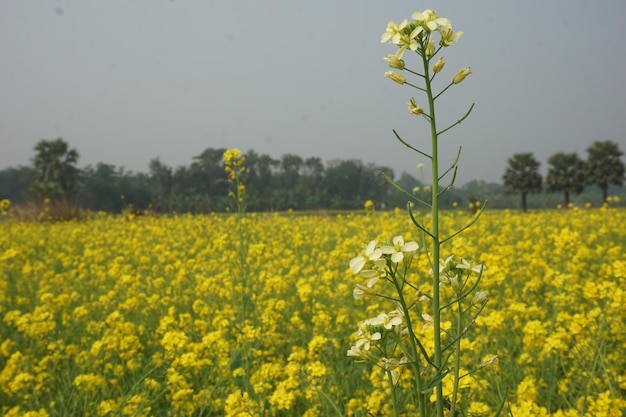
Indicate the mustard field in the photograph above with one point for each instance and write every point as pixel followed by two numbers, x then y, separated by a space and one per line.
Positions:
pixel 176 316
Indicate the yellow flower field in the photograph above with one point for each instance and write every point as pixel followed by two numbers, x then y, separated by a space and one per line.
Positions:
pixel 147 316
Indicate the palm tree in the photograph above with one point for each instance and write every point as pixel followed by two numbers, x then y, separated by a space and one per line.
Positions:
pixel 55 164
pixel 522 176
pixel 603 166
pixel 566 174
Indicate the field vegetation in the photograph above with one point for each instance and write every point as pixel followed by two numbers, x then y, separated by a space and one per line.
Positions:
pixel 138 315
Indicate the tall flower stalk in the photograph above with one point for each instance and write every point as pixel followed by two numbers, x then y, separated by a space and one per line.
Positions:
pixel 234 167
pixel 448 293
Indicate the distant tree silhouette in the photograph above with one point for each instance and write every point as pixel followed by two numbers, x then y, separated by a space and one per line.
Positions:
pixel 14 182
pixel 274 184
pixel 522 176
pixel 57 174
pixel 566 174
pixel 162 181
pixel 603 166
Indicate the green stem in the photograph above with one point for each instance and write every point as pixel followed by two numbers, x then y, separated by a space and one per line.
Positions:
pixel 457 362
pixel 242 234
pixel 409 146
pixel 435 233
pixel 414 347
pixel 394 394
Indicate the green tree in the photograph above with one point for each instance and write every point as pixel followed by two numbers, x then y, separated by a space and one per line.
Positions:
pixel 603 166
pixel 100 188
pixel 522 176
pixel 57 174
pixel 566 174
pixel 201 187
pixel 14 182
pixel 313 178
pixel 342 183
pixel 288 192
pixel 162 181
pixel 260 181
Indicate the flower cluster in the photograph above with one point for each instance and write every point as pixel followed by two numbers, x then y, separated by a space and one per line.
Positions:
pixel 374 329
pixel 4 206
pixel 374 261
pixel 416 35
pixel 233 163
pixel 456 275
pixel 234 167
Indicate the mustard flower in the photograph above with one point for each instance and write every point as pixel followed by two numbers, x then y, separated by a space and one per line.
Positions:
pixel 428 320
pixel 479 298
pixel 393 32
pixel 420 296
pixel 444 265
pixel 429 20
pixel 4 206
pixel 398 312
pixel 366 339
pixel 449 278
pixel 394 61
pixel 399 249
pixel 386 320
pixel 438 65
pixel 474 269
pixel 448 37
pixel 356 352
pixel 370 253
pixel 461 74
pixel 361 291
pixel 489 361
pixel 231 155
pixel 376 271
pixel 404 35
pixel 415 108
pixel 430 48
pixel 391 365
pixel 400 79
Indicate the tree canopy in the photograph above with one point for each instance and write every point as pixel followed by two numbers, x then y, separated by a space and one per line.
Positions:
pixel 565 174
pixel 604 166
pixel 57 174
pixel 522 176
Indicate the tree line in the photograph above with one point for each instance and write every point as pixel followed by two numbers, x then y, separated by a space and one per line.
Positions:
pixel 289 182
pixel 567 172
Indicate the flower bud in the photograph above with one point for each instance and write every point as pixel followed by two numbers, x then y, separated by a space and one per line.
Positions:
pixel 395 76
pixel 460 76
pixel 438 65
pixel 394 61
pixel 430 48
pixel 479 298
pixel 415 108
pixel 490 361
pixel 361 291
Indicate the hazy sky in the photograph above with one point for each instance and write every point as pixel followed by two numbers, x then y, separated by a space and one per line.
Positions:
pixel 127 81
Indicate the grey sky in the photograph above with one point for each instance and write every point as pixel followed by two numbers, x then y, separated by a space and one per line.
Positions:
pixel 127 81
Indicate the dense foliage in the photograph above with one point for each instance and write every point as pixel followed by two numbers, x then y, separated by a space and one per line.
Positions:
pixel 290 182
